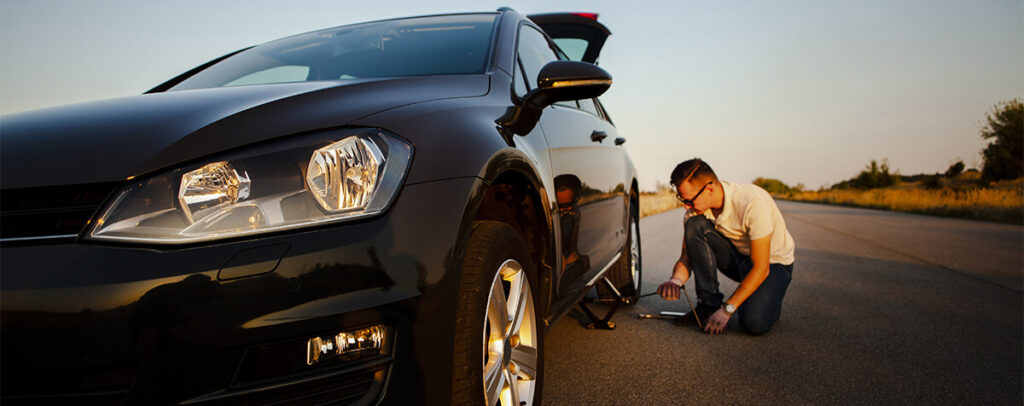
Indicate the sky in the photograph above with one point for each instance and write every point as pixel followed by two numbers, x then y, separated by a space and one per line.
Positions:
pixel 807 92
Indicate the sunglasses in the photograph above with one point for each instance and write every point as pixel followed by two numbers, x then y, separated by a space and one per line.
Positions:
pixel 689 202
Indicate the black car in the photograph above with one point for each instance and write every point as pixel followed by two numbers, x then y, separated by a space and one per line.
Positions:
pixel 389 212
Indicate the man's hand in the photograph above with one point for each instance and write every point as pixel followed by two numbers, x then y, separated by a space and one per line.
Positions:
pixel 669 290
pixel 716 323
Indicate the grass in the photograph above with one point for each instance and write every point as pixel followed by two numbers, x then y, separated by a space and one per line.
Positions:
pixel 1001 202
pixel 656 202
pixel 961 198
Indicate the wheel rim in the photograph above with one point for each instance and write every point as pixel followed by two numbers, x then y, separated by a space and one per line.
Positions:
pixel 634 254
pixel 510 339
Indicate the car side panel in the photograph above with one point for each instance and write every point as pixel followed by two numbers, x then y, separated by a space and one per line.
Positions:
pixel 600 198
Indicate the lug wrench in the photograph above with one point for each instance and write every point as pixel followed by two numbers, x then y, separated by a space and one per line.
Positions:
pixel 672 315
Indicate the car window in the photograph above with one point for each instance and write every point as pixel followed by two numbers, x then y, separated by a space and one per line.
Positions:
pixel 534 52
pixel 421 46
pixel 589 106
pixel 277 74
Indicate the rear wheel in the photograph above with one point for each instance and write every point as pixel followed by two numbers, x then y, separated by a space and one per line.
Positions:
pixel 498 356
pixel 627 273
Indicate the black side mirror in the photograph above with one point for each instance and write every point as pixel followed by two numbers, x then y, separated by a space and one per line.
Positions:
pixel 557 81
pixel 570 80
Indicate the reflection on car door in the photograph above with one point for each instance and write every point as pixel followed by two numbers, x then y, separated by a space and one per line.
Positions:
pixel 589 173
pixel 582 148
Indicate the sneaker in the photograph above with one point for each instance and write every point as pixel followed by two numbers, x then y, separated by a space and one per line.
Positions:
pixel 703 311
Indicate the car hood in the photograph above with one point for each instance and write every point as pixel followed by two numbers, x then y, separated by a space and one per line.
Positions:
pixel 115 139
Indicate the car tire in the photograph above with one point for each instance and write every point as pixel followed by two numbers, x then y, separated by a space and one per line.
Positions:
pixel 627 273
pixel 498 329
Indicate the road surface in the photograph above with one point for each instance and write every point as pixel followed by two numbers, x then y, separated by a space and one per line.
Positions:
pixel 884 307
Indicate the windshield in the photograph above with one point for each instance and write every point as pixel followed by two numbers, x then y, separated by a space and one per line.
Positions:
pixel 423 46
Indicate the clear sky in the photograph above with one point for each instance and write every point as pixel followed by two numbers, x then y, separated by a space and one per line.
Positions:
pixel 803 91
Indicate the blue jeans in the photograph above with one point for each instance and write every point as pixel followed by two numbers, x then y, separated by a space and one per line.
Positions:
pixel 709 251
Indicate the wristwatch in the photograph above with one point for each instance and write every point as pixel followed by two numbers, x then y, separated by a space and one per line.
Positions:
pixel 729 308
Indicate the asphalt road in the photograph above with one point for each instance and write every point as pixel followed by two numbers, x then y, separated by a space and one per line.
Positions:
pixel 884 308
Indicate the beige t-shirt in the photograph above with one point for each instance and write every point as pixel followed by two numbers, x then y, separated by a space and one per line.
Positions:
pixel 750 213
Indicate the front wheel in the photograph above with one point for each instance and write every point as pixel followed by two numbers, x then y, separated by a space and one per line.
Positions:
pixel 498 356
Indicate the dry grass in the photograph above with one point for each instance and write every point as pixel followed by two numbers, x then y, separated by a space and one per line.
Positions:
pixel 1001 202
pixel 657 202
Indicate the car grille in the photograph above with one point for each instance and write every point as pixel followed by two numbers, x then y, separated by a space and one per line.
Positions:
pixel 49 212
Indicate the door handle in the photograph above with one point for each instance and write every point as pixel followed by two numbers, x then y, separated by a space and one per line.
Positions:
pixel 598 136
pixel 620 141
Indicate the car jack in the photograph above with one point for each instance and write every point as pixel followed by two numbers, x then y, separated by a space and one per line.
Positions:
pixel 605 322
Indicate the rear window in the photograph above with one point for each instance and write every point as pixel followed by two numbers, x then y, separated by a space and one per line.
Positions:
pixel 422 46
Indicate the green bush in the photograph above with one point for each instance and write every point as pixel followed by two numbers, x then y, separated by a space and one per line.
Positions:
pixel 873 176
pixel 955 169
pixel 1004 156
pixel 773 186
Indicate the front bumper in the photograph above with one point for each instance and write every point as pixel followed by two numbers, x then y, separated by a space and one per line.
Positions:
pixel 229 322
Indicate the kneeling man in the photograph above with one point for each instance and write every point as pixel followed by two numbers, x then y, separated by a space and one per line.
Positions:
pixel 737 229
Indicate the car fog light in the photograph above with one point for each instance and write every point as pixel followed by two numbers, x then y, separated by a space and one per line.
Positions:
pixel 346 345
pixel 213 185
pixel 343 175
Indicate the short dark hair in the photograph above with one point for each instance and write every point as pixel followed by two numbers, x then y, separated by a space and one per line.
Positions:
pixel 694 169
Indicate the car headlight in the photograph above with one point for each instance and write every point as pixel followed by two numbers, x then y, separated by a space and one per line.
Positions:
pixel 333 176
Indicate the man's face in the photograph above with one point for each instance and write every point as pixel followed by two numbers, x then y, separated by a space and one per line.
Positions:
pixel 695 196
pixel 565 195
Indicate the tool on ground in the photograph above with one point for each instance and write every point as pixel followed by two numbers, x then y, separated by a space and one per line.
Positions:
pixel 672 315
pixel 661 315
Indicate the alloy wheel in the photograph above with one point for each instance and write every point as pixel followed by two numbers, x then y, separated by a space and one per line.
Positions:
pixel 510 339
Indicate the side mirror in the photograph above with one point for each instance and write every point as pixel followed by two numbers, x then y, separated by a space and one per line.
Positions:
pixel 557 81
pixel 570 80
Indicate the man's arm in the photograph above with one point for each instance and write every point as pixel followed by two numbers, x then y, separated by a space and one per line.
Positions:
pixel 760 255
pixel 669 290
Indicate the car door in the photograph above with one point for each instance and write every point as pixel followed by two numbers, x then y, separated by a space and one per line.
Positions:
pixel 590 171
